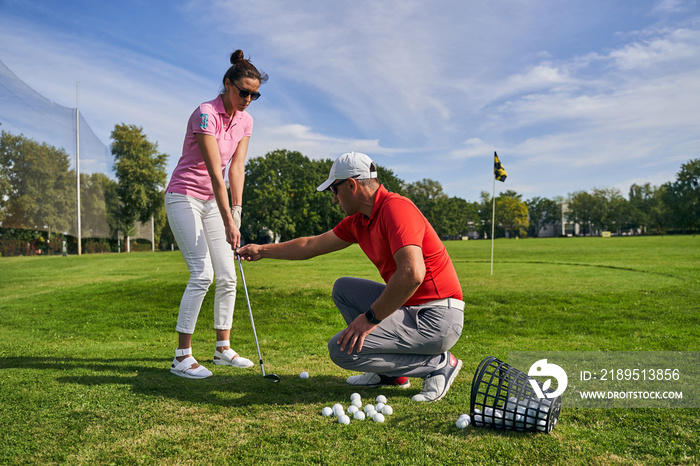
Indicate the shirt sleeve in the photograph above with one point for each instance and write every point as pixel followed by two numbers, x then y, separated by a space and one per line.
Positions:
pixel 248 131
pixel 205 121
pixel 344 230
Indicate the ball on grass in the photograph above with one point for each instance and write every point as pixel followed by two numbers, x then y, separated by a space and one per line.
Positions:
pixel 381 399
pixel 379 406
pixel 359 415
pixel 378 417
pixel 343 419
pixel 352 409
pixel 304 375
pixel 327 411
pixel 388 410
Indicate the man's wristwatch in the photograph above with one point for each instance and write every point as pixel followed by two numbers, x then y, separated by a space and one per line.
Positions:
pixel 371 318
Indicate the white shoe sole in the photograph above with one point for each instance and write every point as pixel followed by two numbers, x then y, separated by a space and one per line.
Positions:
pixel 189 376
pixel 242 364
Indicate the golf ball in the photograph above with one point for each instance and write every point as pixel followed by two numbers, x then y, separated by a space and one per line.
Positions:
pixel 355 395
pixel 378 417
pixel 356 402
pixel 352 409
pixel 371 413
pixel 462 423
pixel 343 419
pixel 327 411
pixel 379 406
pixel 359 415
pixel 388 410
pixel 381 399
pixel 304 375
pixel 368 408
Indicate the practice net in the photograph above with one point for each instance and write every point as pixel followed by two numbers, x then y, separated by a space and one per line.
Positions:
pixel 38 153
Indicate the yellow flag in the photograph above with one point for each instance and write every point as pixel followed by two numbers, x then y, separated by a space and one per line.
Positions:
pixel 498 169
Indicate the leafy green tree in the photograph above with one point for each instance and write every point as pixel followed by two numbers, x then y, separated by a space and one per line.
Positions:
pixel 543 212
pixel 423 194
pixel 390 181
pixel 280 201
pixel 140 169
pixel 683 197
pixel 658 210
pixel 587 210
pixel 512 213
pixel 614 212
pixel 639 208
pixel 485 215
pixel 38 187
pixel 454 216
pixel 432 201
pixel 93 205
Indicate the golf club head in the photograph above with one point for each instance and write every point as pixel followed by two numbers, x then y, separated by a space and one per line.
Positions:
pixel 272 378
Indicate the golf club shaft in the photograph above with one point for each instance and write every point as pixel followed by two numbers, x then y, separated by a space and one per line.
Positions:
pixel 250 311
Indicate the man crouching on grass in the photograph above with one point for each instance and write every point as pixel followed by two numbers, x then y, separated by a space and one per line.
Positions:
pixel 406 327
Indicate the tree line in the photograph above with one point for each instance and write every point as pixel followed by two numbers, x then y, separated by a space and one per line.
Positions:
pixel 280 201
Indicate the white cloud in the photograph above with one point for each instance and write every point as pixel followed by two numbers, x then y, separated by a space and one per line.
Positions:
pixel 680 45
pixel 302 139
pixel 473 147
pixel 429 90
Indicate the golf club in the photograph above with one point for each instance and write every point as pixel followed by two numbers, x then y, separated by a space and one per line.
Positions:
pixel 274 378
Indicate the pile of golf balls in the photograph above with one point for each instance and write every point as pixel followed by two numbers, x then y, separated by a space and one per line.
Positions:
pixel 376 412
pixel 516 413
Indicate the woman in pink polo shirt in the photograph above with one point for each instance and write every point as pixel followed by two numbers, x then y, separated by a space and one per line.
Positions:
pixel 205 226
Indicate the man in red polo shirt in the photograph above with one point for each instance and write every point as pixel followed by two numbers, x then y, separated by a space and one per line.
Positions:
pixel 406 326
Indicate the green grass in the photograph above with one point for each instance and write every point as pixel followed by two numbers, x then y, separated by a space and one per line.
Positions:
pixel 87 342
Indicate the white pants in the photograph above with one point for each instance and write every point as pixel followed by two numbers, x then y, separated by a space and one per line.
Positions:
pixel 200 234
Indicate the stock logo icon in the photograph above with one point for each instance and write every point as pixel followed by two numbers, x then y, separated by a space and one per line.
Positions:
pixel 543 369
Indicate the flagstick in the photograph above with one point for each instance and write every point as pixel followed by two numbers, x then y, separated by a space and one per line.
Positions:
pixel 493 220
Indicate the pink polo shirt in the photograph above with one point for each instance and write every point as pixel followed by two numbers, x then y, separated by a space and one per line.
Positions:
pixel 190 176
pixel 396 222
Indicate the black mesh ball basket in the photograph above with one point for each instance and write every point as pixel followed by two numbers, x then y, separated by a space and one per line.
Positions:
pixel 503 398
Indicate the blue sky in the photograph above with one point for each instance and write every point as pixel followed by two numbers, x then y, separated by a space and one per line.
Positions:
pixel 573 95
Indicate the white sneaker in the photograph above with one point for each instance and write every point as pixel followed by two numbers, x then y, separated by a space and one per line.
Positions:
pixel 437 383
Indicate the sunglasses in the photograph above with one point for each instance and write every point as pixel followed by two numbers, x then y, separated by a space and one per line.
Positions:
pixel 244 93
pixel 334 187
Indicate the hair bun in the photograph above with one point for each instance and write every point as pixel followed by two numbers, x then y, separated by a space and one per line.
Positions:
pixel 237 56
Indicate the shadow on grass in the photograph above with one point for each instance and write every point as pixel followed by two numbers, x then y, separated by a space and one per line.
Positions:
pixel 227 387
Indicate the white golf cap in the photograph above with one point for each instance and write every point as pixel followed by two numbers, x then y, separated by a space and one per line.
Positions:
pixel 351 165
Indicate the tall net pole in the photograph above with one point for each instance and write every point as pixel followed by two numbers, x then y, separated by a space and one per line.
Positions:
pixel 77 162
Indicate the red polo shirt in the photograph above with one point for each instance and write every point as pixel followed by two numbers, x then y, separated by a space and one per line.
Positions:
pixel 396 222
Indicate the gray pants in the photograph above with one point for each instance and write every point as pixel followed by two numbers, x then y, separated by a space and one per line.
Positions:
pixel 410 342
